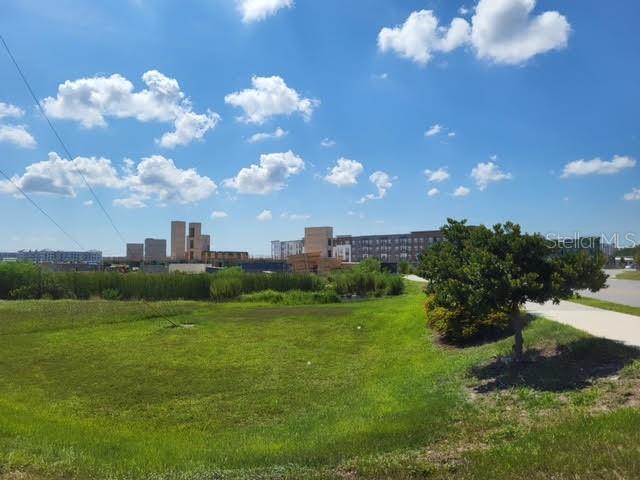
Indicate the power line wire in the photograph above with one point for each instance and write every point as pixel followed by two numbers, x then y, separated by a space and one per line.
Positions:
pixel 41 209
pixel 57 135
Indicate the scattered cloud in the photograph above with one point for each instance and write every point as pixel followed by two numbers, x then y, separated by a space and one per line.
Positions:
pixel 129 202
pixel 439 175
pixel 258 10
pixel 596 166
pixel 433 192
pixel 345 172
pixel 154 178
pixel 59 176
pixel 464 10
pixel 10 111
pixel 485 174
pixel 382 182
pixel 381 76
pixel 503 31
pixel 216 214
pixel 461 192
pixel 259 137
pixel 420 36
pixel 265 215
pixel 327 143
pixel 270 96
pixel 433 130
pixel 295 216
pixel 451 134
pixel 90 101
pixel 18 135
pixel 267 177
pixel 634 194
pixel 88 203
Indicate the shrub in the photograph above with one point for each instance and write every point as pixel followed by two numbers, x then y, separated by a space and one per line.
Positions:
pixel 25 292
pixel 226 288
pixel 293 297
pixel 111 294
pixel 455 325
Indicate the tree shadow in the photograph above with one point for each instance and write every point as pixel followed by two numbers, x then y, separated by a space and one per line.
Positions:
pixel 558 369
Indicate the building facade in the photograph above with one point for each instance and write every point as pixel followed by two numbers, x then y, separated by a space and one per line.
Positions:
pixel 223 259
pixel 391 248
pixel 196 242
pixel 135 252
pixel 319 240
pixel 178 240
pixel 92 257
pixel 155 250
pixel 281 250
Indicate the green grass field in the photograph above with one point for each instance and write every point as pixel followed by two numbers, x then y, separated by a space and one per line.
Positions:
pixel 111 390
pixel 629 275
pixel 615 307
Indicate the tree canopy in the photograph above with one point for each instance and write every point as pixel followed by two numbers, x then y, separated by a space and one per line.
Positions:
pixel 480 271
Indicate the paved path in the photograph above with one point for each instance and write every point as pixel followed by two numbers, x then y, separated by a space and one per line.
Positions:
pixel 601 323
pixel 626 292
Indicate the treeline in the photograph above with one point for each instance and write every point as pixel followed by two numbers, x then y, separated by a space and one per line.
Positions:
pixel 22 281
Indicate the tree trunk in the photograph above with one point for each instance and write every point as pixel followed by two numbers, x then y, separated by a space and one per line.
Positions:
pixel 517 325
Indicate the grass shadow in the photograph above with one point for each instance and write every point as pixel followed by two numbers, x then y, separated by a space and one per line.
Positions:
pixel 562 368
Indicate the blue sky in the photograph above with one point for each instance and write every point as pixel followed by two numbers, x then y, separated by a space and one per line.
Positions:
pixel 535 108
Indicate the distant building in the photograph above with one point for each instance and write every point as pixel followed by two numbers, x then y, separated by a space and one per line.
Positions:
pixel 223 259
pixel 280 250
pixel 319 240
pixel 391 248
pixel 196 242
pixel 93 257
pixel 155 250
pixel 590 245
pixel 178 240
pixel 135 252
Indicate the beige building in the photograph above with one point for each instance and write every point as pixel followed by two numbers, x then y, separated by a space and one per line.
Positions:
pixel 155 250
pixel 178 240
pixel 196 242
pixel 319 240
pixel 135 252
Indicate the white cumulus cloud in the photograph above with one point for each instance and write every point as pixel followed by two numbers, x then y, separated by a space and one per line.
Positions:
pixel 257 10
pixel 383 182
pixel 596 166
pixel 270 96
pixel 91 101
pixel 433 192
pixel 8 110
pixel 265 215
pixel 461 192
pixel 17 135
pixel 485 174
pixel 439 175
pixel 345 172
pixel 261 136
pixel 634 194
pixel 505 31
pixel 295 216
pixel 217 214
pixel 269 176
pixel 327 143
pixel 420 36
pixel 433 130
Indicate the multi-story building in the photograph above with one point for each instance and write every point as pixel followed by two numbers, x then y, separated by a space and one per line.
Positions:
pixel 281 250
pixel 319 240
pixel 93 257
pixel 155 250
pixel 178 240
pixel 196 242
pixel 389 248
pixel 222 259
pixel 135 252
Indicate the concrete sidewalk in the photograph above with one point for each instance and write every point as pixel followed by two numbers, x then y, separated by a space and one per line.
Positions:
pixel 596 321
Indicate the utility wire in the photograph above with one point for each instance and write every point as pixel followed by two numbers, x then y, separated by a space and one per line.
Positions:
pixel 57 135
pixel 41 209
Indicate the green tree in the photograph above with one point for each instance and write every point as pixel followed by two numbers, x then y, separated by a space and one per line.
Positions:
pixel 403 267
pixel 481 271
pixel 369 265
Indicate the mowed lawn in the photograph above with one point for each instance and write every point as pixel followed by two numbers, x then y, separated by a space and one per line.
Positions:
pixel 112 390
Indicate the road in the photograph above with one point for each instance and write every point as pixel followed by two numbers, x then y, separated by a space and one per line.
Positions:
pixel 626 292
pixel 601 323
